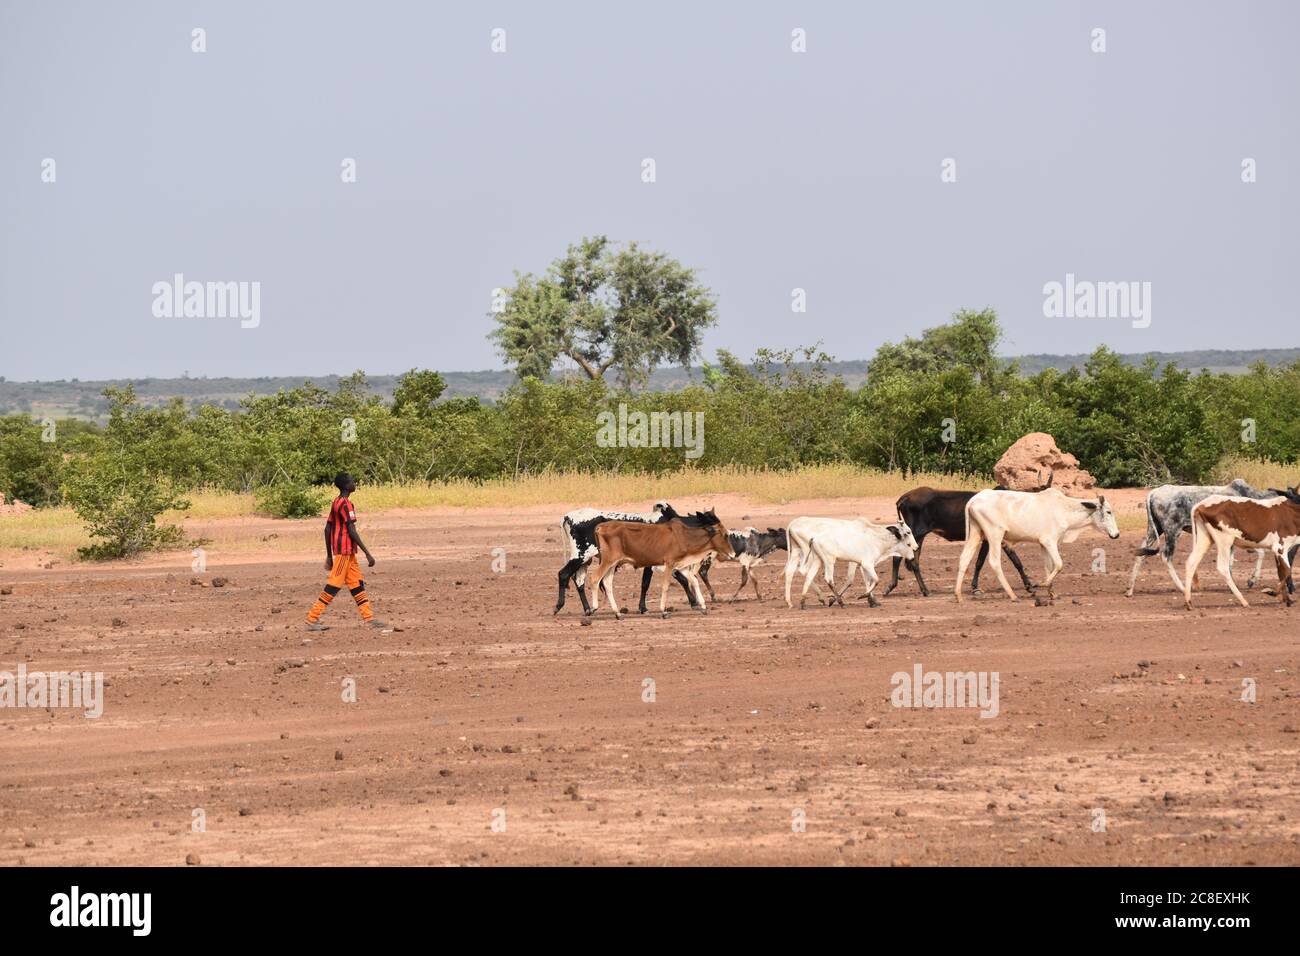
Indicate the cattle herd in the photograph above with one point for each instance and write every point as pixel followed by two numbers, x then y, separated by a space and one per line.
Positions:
pixel 684 547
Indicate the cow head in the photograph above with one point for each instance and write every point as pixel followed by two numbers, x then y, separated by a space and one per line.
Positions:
pixel 906 545
pixel 1290 494
pixel 719 540
pixel 780 540
pixel 1103 516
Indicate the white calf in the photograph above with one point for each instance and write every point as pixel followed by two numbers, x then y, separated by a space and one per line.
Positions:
pixel 857 542
pixel 1048 517
pixel 798 533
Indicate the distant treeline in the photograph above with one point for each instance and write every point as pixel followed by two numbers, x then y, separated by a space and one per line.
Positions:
pixel 86 399
pixel 944 402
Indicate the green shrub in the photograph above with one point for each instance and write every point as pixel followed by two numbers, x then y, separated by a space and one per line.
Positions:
pixel 290 499
pixel 120 503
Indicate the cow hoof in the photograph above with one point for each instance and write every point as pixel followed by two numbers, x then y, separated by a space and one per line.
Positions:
pixel 664 614
pixel 976 592
pixel 924 593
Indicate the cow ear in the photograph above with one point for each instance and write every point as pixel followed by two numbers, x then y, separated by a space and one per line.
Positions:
pixel 896 533
pixel 1090 505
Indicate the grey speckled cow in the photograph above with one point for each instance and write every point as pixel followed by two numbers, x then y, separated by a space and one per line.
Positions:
pixel 1169 514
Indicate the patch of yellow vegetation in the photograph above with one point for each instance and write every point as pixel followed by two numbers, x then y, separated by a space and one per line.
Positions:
pixel 1260 472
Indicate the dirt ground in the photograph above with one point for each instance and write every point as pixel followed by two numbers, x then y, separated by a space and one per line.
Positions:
pixel 487 731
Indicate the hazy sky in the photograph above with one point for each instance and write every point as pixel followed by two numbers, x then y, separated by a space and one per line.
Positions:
pixel 775 170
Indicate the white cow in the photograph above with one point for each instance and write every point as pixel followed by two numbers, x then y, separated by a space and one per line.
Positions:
pixel 1047 517
pixel 801 531
pixel 858 542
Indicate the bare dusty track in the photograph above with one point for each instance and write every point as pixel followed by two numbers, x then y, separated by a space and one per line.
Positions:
pixel 218 700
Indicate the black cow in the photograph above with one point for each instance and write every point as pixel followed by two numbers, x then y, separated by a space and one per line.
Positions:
pixel 930 511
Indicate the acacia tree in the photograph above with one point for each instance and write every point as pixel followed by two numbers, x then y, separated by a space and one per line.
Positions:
pixel 604 306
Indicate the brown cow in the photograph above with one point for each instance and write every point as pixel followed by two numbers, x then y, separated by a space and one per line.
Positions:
pixel 675 545
pixel 1226 520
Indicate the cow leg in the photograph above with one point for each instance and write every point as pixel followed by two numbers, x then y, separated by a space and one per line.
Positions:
pixel 1283 576
pixel 893 580
pixel 1200 544
pixel 828 575
pixel 1290 563
pixel 995 554
pixel 596 575
pixel 872 580
pixel 1132 578
pixel 1224 563
pixel 1053 563
pixel 663 594
pixel 791 566
pixel 703 575
pixel 914 566
pixel 979 566
pixel 693 576
pixel 607 578
pixel 828 567
pixel 686 585
pixel 646 575
pixel 744 579
pixel 1148 546
pixel 1167 556
pixel 567 573
pixel 808 570
pixel 753 576
pixel 1010 552
pixel 974 538
pixel 1259 570
pixel 576 572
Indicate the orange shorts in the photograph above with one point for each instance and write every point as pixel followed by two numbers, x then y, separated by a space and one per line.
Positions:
pixel 346 572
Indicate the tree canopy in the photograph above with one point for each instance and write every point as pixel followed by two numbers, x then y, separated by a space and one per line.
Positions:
pixel 604 305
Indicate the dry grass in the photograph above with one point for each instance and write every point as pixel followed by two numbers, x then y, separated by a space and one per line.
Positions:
pixel 573 488
pixel 55 529
pixel 1261 473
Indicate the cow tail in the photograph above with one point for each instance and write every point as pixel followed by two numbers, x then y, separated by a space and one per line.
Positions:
pixel 805 567
pixel 1154 530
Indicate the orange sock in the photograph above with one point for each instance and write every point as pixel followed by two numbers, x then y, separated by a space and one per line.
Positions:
pixel 363 601
pixel 322 602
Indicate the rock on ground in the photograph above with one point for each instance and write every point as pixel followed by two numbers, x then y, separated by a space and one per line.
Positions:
pixel 1028 463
